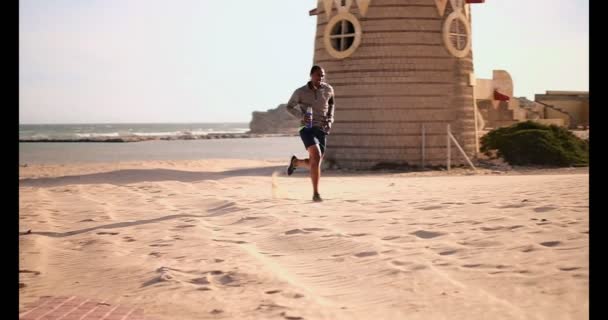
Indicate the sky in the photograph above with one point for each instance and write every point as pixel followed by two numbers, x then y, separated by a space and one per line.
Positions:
pixel 142 61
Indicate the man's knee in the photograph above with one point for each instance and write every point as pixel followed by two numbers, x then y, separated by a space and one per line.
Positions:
pixel 314 154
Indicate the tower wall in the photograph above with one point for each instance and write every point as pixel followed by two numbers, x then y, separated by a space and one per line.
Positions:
pixel 400 77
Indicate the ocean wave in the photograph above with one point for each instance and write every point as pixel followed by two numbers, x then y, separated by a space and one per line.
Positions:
pixel 117 137
pixel 201 132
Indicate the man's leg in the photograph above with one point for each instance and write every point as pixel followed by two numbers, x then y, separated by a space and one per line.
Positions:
pixel 314 163
pixel 320 141
pixel 303 163
pixel 308 138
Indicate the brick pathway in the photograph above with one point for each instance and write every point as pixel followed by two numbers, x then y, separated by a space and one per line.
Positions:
pixel 77 308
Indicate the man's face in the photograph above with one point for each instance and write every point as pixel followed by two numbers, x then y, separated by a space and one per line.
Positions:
pixel 318 76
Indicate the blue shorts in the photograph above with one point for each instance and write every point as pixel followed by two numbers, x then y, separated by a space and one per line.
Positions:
pixel 312 136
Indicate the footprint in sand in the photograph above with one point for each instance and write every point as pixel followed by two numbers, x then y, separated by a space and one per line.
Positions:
pixel 357 234
pixel 155 254
pixel 550 243
pixel 431 208
pixel 314 229
pixel 418 267
pixel 332 235
pixel 292 295
pixel 228 279
pixel 160 245
pixel 491 228
pixel 29 271
pixel 303 231
pixel 270 306
pixel 545 209
pixel 110 233
pixel 447 252
pixel 364 220
pixel 529 248
pixel 512 206
pixel 200 281
pixel 365 254
pixel 289 317
pixel 391 238
pixel 569 268
pixel 427 234
pixel 272 291
pixel 480 243
pixel 185 226
pixel 230 241
pixel 295 231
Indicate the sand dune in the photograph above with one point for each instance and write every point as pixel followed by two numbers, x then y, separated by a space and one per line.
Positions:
pixel 228 239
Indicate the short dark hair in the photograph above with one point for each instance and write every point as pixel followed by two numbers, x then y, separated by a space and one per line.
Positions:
pixel 315 68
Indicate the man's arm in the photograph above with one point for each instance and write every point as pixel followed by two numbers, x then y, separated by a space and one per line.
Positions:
pixel 330 112
pixel 293 106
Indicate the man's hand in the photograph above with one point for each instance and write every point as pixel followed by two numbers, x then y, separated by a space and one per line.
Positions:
pixel 307 118
pixel 327 127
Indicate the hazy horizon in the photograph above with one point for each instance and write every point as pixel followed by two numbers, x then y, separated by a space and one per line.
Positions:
pixel 111 61
pixel 129 122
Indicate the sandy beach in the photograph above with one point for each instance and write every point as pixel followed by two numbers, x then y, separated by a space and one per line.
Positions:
pixel 238 239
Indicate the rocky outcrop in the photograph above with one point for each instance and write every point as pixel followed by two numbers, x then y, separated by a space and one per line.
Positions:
pixel 276 120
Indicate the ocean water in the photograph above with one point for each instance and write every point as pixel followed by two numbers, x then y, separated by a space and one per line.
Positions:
pixel 113 130
pixel 267 148
pixel 262 148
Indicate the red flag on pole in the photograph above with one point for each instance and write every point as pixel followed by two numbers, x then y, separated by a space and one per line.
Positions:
pixel 500 97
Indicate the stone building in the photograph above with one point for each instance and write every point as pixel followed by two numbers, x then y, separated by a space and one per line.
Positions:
pixel 397 66
pixel 572 106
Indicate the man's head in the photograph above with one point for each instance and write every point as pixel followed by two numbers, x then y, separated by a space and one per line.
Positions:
pixel 317 74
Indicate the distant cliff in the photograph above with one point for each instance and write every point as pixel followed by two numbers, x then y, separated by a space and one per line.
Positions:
pixel 276 120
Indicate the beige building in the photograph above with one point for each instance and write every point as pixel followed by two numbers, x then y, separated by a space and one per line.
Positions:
pixel 495 102
pixel 498 108
pixel 398 67
pixel 572 106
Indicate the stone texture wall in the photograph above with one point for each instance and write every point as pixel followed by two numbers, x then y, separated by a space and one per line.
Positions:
pixel 276 120
pixel 400 78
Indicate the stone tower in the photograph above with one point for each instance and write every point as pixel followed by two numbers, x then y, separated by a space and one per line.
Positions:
pixel 396 66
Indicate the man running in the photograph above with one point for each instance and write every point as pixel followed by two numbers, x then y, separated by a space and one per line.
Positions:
pixel 320 96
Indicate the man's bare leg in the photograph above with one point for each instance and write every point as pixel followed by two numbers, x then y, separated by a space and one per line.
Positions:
pixel 303 163
pixel 314 160
pixel 313 163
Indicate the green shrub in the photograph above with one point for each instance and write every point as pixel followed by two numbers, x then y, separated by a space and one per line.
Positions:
pixel 531 143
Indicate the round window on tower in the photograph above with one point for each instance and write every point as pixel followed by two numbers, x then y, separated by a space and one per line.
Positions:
pixel 457 35
pixel 342 35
